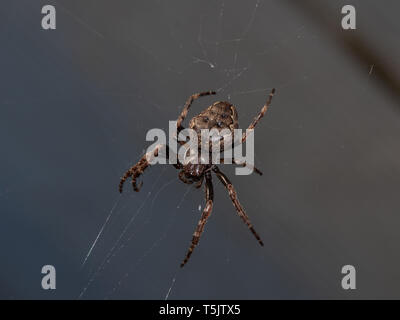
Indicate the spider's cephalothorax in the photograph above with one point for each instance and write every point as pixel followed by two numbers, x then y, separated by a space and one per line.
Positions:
pixel 220 115
pixel 194 171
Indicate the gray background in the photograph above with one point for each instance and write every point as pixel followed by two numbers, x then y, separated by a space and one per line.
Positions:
pixel 77 102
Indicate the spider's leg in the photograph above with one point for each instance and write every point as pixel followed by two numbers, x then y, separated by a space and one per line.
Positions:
pixel 136 170
pixel 232 194
pixel 199 183
pixel 182 177
pixel 188 103
pixel 260 115
pixel 206 213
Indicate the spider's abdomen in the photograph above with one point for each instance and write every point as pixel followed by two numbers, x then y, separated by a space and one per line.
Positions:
pixel 220 115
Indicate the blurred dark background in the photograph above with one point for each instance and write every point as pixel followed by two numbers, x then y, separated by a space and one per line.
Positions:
pixel 76 103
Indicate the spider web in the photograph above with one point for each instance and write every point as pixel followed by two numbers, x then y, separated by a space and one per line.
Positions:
pixel 212 50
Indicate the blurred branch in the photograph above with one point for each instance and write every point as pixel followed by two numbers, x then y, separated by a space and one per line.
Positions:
pixel 354 43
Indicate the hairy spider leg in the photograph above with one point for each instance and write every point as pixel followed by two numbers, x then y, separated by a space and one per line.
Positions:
pixel 203 219
pixel 136 170
pixel 188 103
pixel 260 115
pixel 232 194
pixel 199 183
pixel 182 177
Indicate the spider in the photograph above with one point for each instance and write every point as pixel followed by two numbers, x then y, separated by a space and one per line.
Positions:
pixel 219 115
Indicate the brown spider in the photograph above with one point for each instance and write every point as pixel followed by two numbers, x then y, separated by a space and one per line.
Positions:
pixel 219 115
